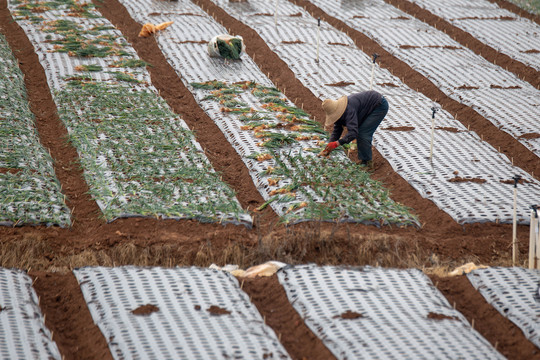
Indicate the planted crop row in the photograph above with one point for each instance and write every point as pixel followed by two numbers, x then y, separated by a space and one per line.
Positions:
pixel 299 184
pixel 29 190
pixel 277 141
pixel 466 177
pixel 139 158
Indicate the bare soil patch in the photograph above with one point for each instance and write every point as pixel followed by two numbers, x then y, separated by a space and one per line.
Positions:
pixel 216 310
pixel 145 309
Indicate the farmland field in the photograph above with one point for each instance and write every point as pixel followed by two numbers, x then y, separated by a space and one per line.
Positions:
pixel 127 156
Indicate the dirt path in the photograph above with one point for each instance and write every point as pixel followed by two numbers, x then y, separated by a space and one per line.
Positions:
pixel 68 317
pixel 497 329
pixel 53 134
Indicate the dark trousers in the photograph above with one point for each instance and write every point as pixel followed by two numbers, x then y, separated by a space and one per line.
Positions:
pixel 367 129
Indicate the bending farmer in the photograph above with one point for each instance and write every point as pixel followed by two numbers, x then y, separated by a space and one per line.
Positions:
pixel 361 114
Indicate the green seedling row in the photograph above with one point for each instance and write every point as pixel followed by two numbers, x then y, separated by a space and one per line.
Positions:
pixel 29 190
pixel 302 185
pixel 137 156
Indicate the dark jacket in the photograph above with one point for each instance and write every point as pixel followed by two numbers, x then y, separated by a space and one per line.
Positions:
pixel 359 106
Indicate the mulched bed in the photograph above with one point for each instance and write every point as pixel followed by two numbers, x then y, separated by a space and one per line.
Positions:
pixel 139 241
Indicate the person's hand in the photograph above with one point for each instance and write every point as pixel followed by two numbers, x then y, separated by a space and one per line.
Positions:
pixel 329 148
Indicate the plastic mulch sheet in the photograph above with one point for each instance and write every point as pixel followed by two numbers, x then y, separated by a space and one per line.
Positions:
pixel 378 313
pixel 501 29
pixel 180 313
pixel 514 293
pixel 23 334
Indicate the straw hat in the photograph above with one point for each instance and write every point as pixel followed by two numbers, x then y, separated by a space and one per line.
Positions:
pixel 334 109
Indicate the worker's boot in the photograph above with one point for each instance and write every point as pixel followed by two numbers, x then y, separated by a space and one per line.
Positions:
pixel 368 164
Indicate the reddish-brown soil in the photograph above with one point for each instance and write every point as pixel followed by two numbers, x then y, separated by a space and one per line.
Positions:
pixel 350 315
pixel 498 330
pixel 68 317
pixel 461 180
pixel 399 128
pixel 271 300
pixel 145 309
pixel 216 310
pixel 52 252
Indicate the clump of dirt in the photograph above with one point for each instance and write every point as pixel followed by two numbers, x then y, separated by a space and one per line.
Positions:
pixel 531 51
pixel 493 86
pixel 145 310
pixel 400 18
pixel 9 171
pixel 263 14
pixel 337 43
pixel 340 84
pixel 408 46
pixel 504 18
pixel 449 129
pixel 349 315
pixel 192 42
pixel 459 179
pixel 530 136
pixel 293 42
pixel 358 17
pixel 511 181
pixel 197 307
pixel 436 316
pixel 216 310
pixel 176 14
pixel 298 14
pixel 399 128
pixel 467 87
pixel 446 47
pixel 388 85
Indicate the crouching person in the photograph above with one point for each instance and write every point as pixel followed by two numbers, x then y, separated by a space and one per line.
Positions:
pixel 361 114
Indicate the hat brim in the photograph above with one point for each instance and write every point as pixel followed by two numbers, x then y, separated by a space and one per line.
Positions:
pixel 340 109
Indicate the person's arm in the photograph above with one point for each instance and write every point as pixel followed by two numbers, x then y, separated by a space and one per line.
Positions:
pixel 336 133
pixel 351 122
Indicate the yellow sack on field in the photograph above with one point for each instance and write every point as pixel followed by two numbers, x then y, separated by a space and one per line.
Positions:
pixel 150 29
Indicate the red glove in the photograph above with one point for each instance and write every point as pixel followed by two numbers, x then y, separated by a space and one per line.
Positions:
pixel 331 146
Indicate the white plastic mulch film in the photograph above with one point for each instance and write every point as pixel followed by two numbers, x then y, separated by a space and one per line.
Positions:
pixel 468 178
pixel 277 141
pixel 23 334
pixel 29 190
pixel 180 313
pixel 499 28
pixel 139 158
pixel 511 104
pixel 514 293
pixel 378 313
